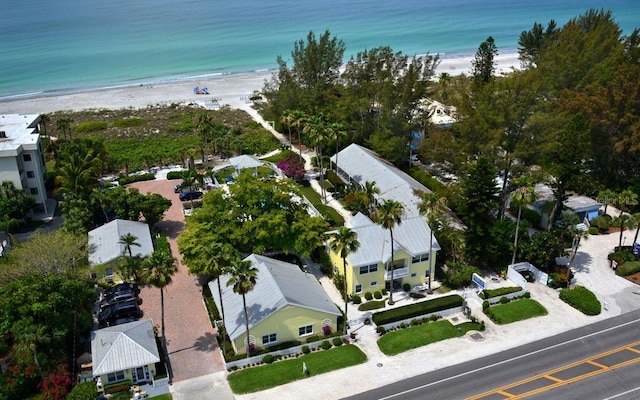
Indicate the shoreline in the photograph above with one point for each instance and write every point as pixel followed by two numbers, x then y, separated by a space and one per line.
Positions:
pixel 225 89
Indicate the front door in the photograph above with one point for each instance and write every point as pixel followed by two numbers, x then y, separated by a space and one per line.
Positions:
pixel 140 374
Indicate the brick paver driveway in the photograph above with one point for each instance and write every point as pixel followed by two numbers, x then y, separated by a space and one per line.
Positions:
pixel 191 342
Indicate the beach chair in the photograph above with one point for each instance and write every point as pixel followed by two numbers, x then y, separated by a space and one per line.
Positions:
pixel 196 90
pixel 205 90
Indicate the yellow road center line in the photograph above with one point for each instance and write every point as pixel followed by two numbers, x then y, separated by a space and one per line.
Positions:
pixel 559 382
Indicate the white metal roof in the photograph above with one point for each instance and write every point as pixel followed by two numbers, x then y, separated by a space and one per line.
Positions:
pixel 411 235
pixel 279 284
pixel 104 246
pixel 363 165
pixel 122 347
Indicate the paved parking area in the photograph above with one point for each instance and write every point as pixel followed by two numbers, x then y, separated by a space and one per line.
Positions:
pixel 193 349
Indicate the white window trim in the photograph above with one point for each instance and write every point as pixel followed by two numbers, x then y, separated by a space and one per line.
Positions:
pixel 268 336
pixel 305 328
pixel 374 284
pixel 356 288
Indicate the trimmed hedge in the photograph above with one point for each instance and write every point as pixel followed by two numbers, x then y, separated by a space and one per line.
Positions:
pixel 490 293
pixel 628 268
pixel 171 175
pixel 582 299
pixel 125 180
pixel 417 309
pixel 118 387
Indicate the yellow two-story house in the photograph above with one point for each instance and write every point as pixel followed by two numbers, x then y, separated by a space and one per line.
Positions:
pixel 285 305
pixel 369 268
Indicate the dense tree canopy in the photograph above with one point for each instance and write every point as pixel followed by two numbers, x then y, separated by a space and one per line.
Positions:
pixel 254 216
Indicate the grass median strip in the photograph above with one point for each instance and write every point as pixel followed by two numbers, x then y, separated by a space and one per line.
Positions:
pixel 399 341
pixel 271 375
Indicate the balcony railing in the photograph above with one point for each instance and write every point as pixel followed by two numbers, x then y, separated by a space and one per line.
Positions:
pixel 398 272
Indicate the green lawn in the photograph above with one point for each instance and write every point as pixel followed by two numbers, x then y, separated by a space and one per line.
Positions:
pixel 166 396
pixel 516 310
pixel 329 213
pixel 402 340
pixel 251 380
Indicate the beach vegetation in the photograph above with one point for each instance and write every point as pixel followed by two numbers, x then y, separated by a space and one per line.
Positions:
pixel 91 126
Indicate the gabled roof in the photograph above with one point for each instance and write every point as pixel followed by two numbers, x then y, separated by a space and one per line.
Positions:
pixel 122 347
pixel 103 241
pixel 279 284
pixel 364 165
pixel 411 235
pixel 245 161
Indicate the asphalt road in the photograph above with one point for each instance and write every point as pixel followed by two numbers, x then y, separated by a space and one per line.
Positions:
pixel 577 355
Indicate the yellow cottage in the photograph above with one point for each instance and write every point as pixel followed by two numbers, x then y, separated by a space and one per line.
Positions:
pixel 286 304
pixel 369 268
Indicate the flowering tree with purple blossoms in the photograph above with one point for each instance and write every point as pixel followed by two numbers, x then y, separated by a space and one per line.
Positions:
pixel 292 166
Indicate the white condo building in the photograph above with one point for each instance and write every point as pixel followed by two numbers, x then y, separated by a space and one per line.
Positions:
pixel 21 158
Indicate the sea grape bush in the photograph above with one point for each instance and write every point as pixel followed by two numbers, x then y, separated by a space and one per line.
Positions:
pixel 292 166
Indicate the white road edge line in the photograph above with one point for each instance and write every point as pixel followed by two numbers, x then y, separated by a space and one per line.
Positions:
pixel 622 394
pixel 509 360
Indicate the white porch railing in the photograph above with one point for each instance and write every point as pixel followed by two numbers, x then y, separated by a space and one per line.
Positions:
pixel 397 273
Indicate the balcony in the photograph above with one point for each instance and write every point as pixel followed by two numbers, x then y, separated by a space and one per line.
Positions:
pixel 398 272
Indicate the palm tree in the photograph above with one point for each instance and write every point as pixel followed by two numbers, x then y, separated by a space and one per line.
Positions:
pixel 636 218
pixel 316 129
pixel 345 242
pixel 78 174
pixel 389 214
pixel 243 279
pixel 129 240
pixel 298 119
pixel 64 124
pixel 287 120
pixel 217 259
pixel 190 179
pixel 524 195
pixel 336 133
pixel 432 205
pixel 157 271
pixel 623 220
pixel 370 190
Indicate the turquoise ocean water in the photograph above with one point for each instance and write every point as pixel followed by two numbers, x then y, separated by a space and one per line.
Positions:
pixel 51 46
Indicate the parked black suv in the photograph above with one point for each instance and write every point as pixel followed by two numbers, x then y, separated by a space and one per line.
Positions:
pixel 127 309
pixel 120 297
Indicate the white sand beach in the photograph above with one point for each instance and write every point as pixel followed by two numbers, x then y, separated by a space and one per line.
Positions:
pixel 232 90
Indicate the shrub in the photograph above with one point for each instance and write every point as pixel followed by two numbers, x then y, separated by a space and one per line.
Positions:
pixel 593 230
pixel 125 180
pixel 368 296
pixel 485 305
pixel 628 268
pixel 381 330
pixel 581 299
pixel 292 166
pixel 417 309
pixel 621 256
pixel 325 345
pixel 491 293
pixel 482 326
pixel 406 287
pixel 326 330
pixel 268 359
pixel 91 126
pixel 384 291
pixel 504 300
pixel 356 299
pixel 128 122
pixel 417 295
pixel 527 295
pixel 313 338
pixel 337 342
pixel 306 350
pixel 377 294
pixel 171 175
pixel 117 387
pixel 84 391
pixel 601 222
